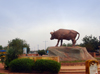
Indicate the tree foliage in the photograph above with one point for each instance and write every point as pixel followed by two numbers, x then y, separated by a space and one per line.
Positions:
pixel 41 52
pixel 91 43
pixel 64 44
pixel 18 44
pixel 10 55
pixel 1 47
pixel 14 49
pixel 68 45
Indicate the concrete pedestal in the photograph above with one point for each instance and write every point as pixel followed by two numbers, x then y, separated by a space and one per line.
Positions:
pixel 70 53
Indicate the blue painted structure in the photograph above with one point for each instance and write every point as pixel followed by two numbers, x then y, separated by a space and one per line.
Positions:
pixel 2 52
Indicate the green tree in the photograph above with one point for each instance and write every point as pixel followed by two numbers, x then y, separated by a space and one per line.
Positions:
pixel 6 47
pixel 1 47
pixel 14 49
pixel 41 52
pixel 18 44
pixel 68 45
pixel 64 44
pixel 10 55
pixel 91 43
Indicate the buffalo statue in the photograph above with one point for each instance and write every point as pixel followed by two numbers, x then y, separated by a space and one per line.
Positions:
pixel 64 34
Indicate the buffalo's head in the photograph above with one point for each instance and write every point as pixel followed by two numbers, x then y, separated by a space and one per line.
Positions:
pixel 52 35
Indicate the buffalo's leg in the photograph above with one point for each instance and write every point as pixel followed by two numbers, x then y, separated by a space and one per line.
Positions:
pixel 61 42
pixel 57 43
pixel 73 41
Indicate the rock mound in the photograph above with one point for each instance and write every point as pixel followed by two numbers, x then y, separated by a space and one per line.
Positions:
pixel 70 53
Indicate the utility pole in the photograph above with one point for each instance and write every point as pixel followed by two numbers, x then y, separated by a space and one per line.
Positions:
pixel 34 48
pixel 38 47
pixel 45 44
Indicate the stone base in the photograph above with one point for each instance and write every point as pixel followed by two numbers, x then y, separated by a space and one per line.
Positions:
pixel 70 53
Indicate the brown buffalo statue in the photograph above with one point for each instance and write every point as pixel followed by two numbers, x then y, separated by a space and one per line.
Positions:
pixel 64 34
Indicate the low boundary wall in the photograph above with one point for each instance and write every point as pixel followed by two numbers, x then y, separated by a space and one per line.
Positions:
pixel 30 54
pixel 55 58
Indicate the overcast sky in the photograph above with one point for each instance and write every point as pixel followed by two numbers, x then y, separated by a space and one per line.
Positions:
pixel 33 20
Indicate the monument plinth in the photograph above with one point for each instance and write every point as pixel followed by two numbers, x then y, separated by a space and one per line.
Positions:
pixel 70 53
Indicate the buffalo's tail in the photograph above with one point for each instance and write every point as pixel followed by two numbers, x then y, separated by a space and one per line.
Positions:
pixel 78 36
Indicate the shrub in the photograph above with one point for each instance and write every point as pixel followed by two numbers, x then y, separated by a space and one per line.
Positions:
pixel 47 65
pixel 41 52
pixel 21 65
pixel 11 55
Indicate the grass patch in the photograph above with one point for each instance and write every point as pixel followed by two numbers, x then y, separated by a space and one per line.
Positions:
pixel 75 61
